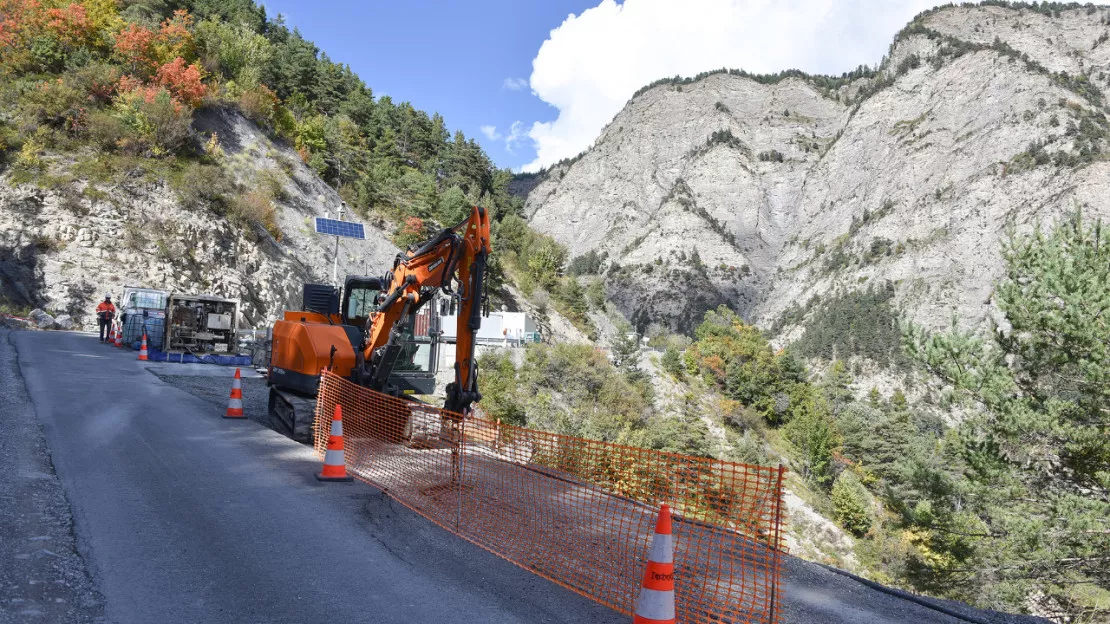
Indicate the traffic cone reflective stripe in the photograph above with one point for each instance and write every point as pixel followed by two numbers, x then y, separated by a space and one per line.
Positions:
pixel 335 465
pixel 235 403
pixel 142 350
pixel 656 602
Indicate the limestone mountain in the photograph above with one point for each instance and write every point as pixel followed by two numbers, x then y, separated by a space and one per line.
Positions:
pixel 777 194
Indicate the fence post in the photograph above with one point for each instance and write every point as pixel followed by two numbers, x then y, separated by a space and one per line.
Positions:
pixel 457 465
pixel 777 570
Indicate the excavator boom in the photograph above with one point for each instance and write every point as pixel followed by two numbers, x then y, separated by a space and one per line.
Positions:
pixel 454 262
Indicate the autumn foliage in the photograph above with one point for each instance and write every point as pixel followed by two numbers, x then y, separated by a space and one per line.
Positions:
pixel 70 25
pixel 21 20
pixel 183 81
pixel 135 47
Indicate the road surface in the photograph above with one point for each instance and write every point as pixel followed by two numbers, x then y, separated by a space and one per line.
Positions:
pixel 182 516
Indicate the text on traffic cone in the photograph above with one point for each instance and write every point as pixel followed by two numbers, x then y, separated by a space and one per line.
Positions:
pixel 335 465
pixel 656 602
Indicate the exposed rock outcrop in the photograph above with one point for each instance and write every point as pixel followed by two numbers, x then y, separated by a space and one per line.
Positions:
pixel 63 248
pixel 761 193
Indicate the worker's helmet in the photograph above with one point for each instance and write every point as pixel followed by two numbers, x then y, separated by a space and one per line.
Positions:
pixel 107 297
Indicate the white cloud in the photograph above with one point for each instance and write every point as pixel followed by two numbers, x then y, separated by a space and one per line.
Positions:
pixel 491 132
pixel 514 84
pixel 517 133
pixel 592 63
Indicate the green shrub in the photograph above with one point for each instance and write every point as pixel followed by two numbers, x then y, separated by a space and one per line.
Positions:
pixel 588 263
pixel 107 130
pixel 851 504
pixel 453 207
pixel 685 433
pixel 200 186
pixel 570 300
pixel 30 154
pixel 672 362
pixel 256 207
pixel 260 105
pixel 595 293
pixel 570 389
pixel 749 449
pixel 56 103
pixel 157 125
pixel 771 156
pixel 812 433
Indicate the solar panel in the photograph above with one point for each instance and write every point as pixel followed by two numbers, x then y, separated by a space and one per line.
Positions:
pixel 333 227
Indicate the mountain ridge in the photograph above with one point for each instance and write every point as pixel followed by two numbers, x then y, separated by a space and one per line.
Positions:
pixel 908 174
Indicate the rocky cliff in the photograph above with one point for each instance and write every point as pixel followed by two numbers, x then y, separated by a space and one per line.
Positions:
pixel 763 192
pixel 69 237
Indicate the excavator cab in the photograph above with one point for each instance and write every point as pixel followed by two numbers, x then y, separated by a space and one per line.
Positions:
pixel 361 296
pixel 414 371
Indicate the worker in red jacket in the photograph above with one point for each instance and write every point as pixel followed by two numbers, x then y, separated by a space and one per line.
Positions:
pixel 105 312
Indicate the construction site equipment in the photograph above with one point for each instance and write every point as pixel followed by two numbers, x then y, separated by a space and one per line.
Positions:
pixel 382 333
pixel 142 309
pixel 235 403
pixel 142 350
pixel 656 602
pixel 578 512
pixel 335 466
pixel 201 324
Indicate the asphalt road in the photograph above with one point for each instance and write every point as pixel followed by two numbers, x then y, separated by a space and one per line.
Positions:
pixel 182 516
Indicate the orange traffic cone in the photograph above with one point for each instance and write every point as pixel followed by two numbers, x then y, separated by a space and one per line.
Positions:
pixel 119 337
pixel 235 403
pixel 335 466
pixel 656 602
pixel 142 350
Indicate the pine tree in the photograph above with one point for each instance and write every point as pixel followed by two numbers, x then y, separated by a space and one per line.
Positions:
pixel 1035 441
pixel 813 434
pixel 851 504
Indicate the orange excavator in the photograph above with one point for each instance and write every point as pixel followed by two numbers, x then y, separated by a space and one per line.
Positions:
pixel 381 333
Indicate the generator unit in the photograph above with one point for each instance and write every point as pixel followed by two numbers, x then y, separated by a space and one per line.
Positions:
pixel 201 324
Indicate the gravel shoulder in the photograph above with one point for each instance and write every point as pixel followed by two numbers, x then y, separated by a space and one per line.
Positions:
pixel 43 577
pixel 217 390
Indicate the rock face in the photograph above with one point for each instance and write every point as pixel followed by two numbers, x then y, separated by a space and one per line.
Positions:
pixel 63 249
pixel 763 193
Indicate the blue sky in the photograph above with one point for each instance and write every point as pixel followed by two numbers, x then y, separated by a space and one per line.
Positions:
pixel 446 57
pixel 576 62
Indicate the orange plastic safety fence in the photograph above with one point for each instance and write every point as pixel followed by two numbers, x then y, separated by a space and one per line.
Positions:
pixel 578 512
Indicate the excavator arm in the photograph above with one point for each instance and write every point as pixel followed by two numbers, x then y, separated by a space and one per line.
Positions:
pixel 453 261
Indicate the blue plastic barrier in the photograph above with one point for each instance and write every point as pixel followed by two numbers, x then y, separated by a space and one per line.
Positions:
pixel 186 358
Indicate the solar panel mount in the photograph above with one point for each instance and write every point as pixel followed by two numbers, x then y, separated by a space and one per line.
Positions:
pixel 345 229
